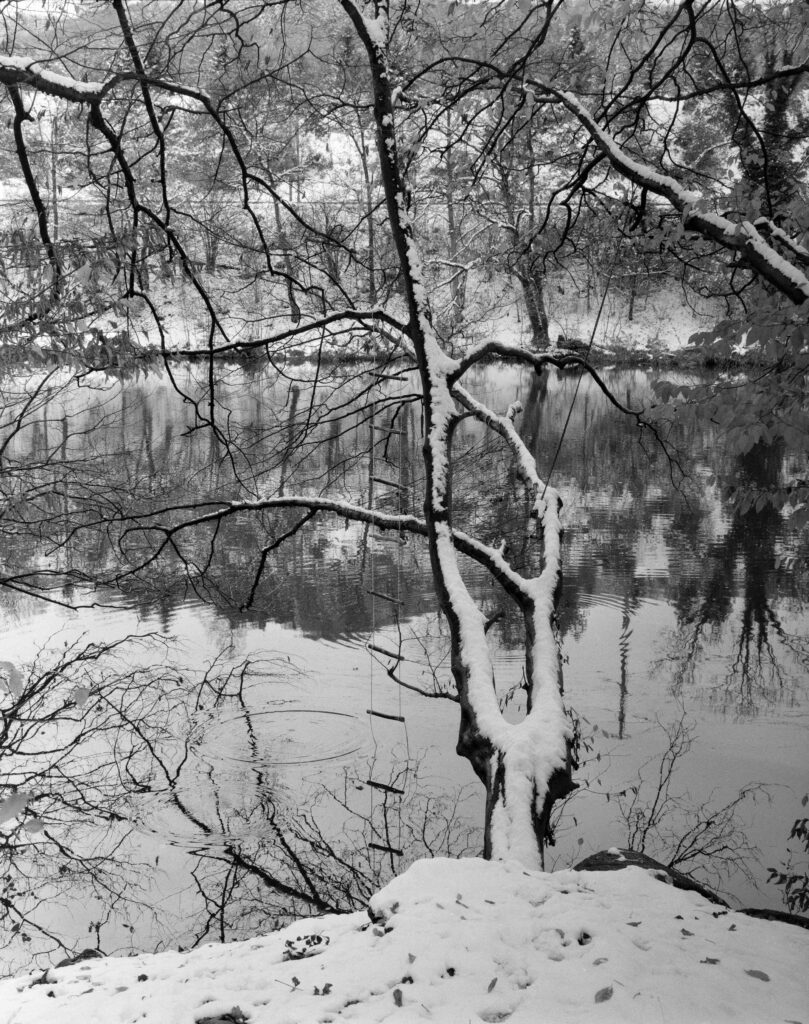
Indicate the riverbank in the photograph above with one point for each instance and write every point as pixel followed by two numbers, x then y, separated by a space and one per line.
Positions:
pixel 459 941
pixel 121 355
pixel 654 331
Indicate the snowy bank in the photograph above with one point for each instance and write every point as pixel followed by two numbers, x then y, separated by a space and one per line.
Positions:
pixel 460 941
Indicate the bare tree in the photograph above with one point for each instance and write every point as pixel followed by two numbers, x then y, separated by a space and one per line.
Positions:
pixel 697 836
pixel 94 754
pixel 70 772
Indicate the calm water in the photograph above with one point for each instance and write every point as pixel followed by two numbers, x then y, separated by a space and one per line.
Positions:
pixel 253 786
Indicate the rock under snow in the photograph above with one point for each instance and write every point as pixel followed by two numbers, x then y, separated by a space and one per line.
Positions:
pixel 460 941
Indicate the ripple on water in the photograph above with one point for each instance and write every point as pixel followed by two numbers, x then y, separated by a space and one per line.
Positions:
pixel 278 737
pixel 605 599
pixel 235 776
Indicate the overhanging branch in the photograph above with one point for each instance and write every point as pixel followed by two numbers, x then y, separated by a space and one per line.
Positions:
pixel 739 237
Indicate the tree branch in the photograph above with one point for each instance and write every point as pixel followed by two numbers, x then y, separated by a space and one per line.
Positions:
pixel 744 237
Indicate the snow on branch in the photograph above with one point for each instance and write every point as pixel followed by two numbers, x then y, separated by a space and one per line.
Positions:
pixel 534 748
pixel 215 512
pixel 504 426
pixel 511 352
pixel 767 228
pixel 519 354
pixel 24 71
pixel 692 205
pixel 546 502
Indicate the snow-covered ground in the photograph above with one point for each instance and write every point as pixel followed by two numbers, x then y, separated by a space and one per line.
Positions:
pixel 456 942
pixel 661 321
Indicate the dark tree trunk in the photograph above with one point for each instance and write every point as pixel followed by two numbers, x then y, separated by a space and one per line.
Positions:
pixel 533 288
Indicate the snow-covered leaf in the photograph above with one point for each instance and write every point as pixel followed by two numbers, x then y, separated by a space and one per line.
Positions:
pixel 604 994
pixel 757 974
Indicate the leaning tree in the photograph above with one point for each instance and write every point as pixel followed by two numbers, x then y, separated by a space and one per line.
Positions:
pixel 245 106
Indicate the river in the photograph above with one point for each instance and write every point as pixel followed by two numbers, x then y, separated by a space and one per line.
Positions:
pixel 683 626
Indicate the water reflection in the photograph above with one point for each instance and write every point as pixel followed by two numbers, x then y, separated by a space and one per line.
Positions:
pixel 634 529
pixel 667 592
pixel 737 595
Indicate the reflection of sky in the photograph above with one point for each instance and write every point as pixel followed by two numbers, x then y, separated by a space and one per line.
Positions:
pixel 652 551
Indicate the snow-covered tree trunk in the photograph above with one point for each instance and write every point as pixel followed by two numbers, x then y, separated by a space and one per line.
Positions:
pixel 524 766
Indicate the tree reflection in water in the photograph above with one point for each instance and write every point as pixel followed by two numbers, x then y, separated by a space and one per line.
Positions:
pixel 99 758
pixel 740 590
pixel 77 460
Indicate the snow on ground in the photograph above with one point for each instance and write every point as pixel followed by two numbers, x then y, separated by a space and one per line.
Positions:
pixel 457 942
pixel 661 321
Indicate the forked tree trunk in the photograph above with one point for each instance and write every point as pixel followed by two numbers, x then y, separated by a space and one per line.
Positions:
pixel 523 766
